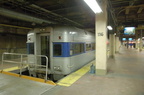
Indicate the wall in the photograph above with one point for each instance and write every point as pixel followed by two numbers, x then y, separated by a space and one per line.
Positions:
pixel 12 44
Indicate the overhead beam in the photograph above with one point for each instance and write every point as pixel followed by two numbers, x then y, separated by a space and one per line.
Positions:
pixel 131 3
pixel 118 2
pixel 140 10
pixel 121 7
pixel 13 26
pixel 66 8
pixel 127 11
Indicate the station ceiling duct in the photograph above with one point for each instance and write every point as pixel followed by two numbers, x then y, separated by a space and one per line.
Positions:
pixel 24 17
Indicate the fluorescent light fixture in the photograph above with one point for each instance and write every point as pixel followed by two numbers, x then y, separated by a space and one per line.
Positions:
pixel 109 28
pixel 93 5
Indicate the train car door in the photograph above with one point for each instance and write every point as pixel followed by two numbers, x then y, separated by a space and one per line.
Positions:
pixel 45 48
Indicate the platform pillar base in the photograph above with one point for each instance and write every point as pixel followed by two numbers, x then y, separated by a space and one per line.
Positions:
pixel 101 72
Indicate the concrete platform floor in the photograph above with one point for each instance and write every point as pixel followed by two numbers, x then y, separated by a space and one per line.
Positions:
pixel 125 77
pixel 7 65
pixel 11 85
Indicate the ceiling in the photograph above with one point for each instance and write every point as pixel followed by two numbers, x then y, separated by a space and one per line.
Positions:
pixel 37 13
pixel 128 12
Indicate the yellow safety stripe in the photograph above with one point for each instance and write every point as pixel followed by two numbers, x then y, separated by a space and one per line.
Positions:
pixel 30 78
pixel 11 69
pixel 11 74
pixel 70 79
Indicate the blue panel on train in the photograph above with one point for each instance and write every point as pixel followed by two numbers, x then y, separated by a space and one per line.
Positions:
pixel 61 49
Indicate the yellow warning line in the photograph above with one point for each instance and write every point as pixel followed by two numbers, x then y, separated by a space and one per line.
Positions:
pixel 67 81
pixel 11 74
pixel 38 79
pixel 7 71
pixel 70 79
pixel 30 78
pixel 11 69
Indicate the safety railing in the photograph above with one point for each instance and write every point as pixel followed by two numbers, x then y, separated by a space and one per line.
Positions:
pixel 24 61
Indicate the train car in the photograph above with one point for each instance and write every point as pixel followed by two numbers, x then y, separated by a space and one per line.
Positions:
pixel 67 48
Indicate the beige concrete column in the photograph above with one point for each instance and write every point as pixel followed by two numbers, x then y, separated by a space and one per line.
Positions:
pixel 112 45
pixel 141 42
pixel 101 39
pixel 117 44
pixel 136 40
pixel 136 43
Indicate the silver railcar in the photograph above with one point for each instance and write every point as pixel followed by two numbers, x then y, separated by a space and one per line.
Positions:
pixel 67 48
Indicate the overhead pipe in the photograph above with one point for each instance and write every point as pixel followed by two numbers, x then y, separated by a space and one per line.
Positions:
pixel 6 25
pixel 47 11
pixel 23 17
pixel 54 14
pixel 112 14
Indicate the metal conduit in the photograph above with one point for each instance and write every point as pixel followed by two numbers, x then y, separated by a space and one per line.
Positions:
pixel 6 25
pixel 24 17
pixel 112 14
pixel 45 10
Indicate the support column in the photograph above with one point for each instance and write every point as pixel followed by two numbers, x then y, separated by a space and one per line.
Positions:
pixel 136 44
pixel 117 44
pixel 101 39
pixel 127 45
pixel 136 40
pixel 112 45
pixel 141 43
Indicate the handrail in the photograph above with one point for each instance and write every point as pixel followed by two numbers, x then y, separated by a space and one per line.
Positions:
pixel 21 61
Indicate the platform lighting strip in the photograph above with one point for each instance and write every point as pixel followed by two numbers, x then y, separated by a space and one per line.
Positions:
pixel 109 28
pixel 94 6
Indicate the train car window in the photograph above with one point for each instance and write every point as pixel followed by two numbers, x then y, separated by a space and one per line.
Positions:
pixel 30 48
pixel 88 47
pixel 78 48
pixel 71 49
pixel 93 46
pixel 82 47
pixel 57 49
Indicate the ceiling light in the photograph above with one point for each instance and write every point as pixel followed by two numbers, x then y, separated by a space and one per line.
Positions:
pixel 109 28
pixel 93 5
